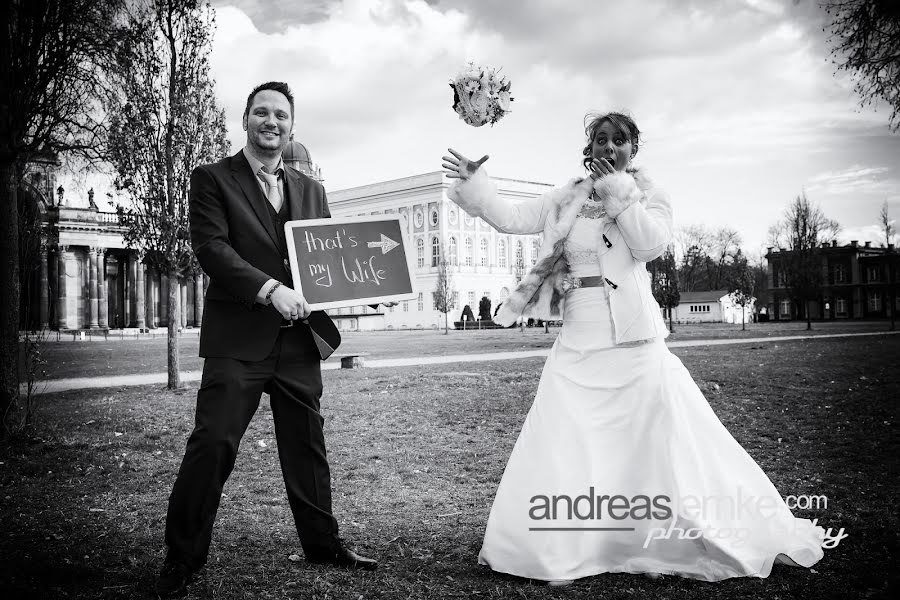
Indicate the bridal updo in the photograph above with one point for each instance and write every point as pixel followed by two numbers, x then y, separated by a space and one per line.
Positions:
pixel 623 123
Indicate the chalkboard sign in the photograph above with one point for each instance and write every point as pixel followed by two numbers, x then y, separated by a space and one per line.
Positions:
pixel 349 261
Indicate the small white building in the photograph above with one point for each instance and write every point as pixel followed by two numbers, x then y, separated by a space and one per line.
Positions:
pixel 715 306
pixel 483 262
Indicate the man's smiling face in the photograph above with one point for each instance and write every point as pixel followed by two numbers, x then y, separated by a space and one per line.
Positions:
pixel 268 123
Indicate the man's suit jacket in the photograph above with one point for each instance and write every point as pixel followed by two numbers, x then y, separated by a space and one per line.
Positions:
pixel 234 238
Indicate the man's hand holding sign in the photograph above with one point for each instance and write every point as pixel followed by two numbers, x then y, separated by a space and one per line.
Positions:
pixel 342 262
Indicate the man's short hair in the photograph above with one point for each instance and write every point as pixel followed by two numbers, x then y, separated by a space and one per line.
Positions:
pixel 277 86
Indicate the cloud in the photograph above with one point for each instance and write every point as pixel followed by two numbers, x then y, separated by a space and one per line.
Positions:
pixel 272 17
pixel 852 180
pixel 737 100
pixel 862 234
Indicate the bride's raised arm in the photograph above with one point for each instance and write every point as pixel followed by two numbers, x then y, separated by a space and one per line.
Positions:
pixel 476 194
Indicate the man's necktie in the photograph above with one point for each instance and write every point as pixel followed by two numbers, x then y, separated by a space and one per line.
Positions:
pixel 273 191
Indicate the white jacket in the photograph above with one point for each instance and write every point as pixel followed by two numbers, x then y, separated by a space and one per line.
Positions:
pixel 639 229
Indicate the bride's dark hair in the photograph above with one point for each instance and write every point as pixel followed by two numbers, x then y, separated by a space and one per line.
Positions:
pixel 623 123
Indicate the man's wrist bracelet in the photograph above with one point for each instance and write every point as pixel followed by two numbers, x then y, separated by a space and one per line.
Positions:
pixel 271 291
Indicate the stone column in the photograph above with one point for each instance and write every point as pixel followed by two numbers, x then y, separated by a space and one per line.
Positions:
pixel 103 317
pixel 152 287
pixel 62 307
pixel 53 277
pixel 130 297
pixel 164 300
pixel 140 294
pixel 44 309
pixel 182 286
pixel 93 295
pixel 198 299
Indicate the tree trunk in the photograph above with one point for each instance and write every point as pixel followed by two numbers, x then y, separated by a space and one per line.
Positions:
pixel 173 317
pixel 9 291
pixel 808 316
pixel 671 326
pixel 743 320
pixel 446 324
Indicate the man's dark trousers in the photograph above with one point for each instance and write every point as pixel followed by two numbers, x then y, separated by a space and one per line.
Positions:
pixel 228 397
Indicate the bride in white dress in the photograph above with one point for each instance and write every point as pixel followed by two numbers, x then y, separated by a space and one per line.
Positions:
pixel 621 465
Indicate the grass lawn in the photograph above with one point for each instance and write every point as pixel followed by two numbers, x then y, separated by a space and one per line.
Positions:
pixel 148 355
pixel 416 455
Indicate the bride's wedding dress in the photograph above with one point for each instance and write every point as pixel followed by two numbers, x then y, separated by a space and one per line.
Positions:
pixel 622 466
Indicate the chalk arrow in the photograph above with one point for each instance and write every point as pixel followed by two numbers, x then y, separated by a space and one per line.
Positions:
pixel 386 244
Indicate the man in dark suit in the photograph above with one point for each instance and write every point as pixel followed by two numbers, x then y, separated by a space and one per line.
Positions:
pixel 254 340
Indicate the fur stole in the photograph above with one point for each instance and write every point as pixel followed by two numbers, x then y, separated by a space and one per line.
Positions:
pixel 541 293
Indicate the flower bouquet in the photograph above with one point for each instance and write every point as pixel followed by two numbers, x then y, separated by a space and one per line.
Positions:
pixel 480 95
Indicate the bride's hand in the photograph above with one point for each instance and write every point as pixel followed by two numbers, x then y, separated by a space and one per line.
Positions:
pixel 600 167
pixel 460 167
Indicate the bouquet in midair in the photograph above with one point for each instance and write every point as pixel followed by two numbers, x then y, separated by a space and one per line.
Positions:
pixel 480 95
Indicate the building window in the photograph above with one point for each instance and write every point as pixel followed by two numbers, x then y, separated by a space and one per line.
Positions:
pixel 434 217
pixel 874 301
pixel 534 251
pixel 455 299
pixel 468 252
pixel 840 273
pixel 391 308
pixel 435 252
pixel 501 253
pixel 874 274
pixel 406 306
pixel 421 303
pixel 471 299
pixel 420 252
pixel 452 246
pixel 520 253
pixel 483 252
pixel 785 309
pixel 841 306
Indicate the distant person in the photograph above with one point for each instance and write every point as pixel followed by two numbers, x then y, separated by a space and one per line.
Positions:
pixel 619 436
pixel 254 340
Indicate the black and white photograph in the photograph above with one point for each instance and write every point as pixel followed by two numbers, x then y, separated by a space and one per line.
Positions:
pixel 431 299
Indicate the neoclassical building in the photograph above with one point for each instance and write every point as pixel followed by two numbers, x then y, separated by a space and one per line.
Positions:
pixel 482 261
pixel 77 272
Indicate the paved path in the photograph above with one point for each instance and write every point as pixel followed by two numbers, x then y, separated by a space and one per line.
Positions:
pixel 80 383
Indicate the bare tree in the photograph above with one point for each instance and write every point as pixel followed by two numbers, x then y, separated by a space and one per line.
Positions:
pixel 54 52
pixel 443 290
pixel 801 232
pixel 164 121
pixel 693 245
pixel 664 281
pixel 865 35
pixel 726 248
pixel 705 256
pixel 741 284
pixel 760 274
pixel 887 224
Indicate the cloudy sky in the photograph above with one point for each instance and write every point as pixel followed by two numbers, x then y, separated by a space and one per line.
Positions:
pixel 737 99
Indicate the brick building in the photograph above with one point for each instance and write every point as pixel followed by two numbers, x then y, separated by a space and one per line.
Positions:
pixel 859 282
